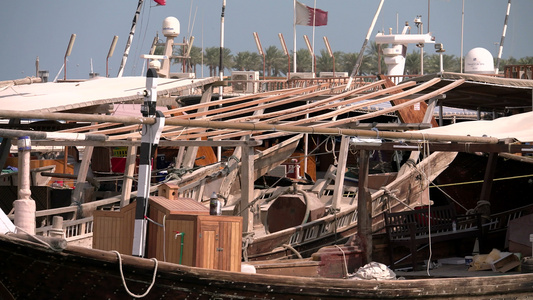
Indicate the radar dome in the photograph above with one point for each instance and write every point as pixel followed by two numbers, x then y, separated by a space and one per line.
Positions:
pixel 479 61
pixel 171 27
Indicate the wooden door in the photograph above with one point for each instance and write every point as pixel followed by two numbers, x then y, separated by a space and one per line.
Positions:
pixel 230 245
pixel 209 245
pixel 220 243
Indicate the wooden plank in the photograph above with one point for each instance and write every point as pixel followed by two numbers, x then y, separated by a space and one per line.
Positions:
pixel 190 155
pixel 247 188
pixel 364 207
pixel 128 175
pixel 338 190
pixel 315 106
pixel 408 114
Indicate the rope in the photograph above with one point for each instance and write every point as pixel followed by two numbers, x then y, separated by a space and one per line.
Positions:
pixel 426 154
pixel 387 192
pixel 164 234
pixel 293 250
pixel 246 241
pixel 124 280
pixel 481 181
pixel 450 197
pixel 345 263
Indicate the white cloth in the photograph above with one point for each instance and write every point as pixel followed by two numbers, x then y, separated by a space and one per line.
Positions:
pixel 374 271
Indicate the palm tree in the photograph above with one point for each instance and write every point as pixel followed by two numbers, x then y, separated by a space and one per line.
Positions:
pixel 227 59
pixel 372 58
pixel 347 62
pixel 449 63
pixel 412 63
pixel 212 55
pixel 274 61
pixel 324 62
pixel 195 57
pixel 246 61
pixel 528 60
pixel 303 60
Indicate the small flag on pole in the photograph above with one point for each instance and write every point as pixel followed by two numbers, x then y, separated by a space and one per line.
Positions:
pixel 161 2
pixel 306 15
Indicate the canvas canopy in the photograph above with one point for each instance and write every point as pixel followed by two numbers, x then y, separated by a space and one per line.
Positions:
pixel 519 127
pixel 54 97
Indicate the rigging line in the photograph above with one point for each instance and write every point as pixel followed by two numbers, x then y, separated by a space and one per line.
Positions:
pixel 450 197
pixel 189 23
pixel 139 45
pixel 481 181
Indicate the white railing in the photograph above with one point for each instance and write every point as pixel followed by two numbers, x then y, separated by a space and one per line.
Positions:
pixel 71 229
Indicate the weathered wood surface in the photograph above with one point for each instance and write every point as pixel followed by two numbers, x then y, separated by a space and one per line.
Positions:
pixel 408 114
pixel 81 272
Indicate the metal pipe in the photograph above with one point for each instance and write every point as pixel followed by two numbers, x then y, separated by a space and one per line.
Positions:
pixel 109 54
pixel 67 54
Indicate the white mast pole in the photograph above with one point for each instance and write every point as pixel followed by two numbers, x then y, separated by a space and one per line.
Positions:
pixel 497 69
pixel 360 57
pixel 314 27
pixel 462 30
pixel 130 39
pixel 221 65
pixel 294 34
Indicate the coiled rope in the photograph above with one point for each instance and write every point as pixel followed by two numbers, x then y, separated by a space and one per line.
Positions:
pixel 124 280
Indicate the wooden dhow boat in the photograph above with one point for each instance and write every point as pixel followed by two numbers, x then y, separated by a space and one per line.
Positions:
pixel 32 269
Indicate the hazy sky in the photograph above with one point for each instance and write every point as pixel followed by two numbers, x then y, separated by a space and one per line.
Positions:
pixel 31 28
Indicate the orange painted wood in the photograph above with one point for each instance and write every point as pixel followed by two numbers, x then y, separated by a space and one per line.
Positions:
pixel 408 114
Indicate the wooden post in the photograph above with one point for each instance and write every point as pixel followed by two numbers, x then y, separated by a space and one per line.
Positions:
pixel 190 155
pixel 247 187
pixel 229 179
pixel 364 207
pixel 128 175
pixel 24 206
pixel 489 176
pixel 82 176
pixel 339 177
pixel 57 227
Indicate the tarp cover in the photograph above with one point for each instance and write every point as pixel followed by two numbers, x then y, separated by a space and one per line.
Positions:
pixel 54 97
pixel 519 127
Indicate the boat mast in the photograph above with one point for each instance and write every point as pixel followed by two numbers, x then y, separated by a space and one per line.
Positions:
pixel 361 53
pixel 221 62
pixel 130 39
pixel 149 141
pixel 497 69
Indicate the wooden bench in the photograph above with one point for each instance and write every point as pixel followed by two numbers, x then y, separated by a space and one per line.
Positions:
pixel 413 228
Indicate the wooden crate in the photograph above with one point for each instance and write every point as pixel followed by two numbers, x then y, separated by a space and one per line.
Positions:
pixel 213 242
pixel 113 230
pixel 208 241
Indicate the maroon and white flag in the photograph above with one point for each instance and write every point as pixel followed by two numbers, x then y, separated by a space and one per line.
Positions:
pixel 306 15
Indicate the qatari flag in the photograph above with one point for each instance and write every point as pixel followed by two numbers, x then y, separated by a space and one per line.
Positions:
pixel 305 15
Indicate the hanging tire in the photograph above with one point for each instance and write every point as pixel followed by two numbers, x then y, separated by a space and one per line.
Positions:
pixel 527 264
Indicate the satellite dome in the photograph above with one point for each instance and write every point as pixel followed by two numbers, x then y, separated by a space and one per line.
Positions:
pixel 171 27
pixel 479 61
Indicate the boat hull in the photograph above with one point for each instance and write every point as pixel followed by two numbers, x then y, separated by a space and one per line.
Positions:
pixel 31 270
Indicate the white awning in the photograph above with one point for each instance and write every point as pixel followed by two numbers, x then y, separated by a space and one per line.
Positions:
pixel 519 127
pixel 53 97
